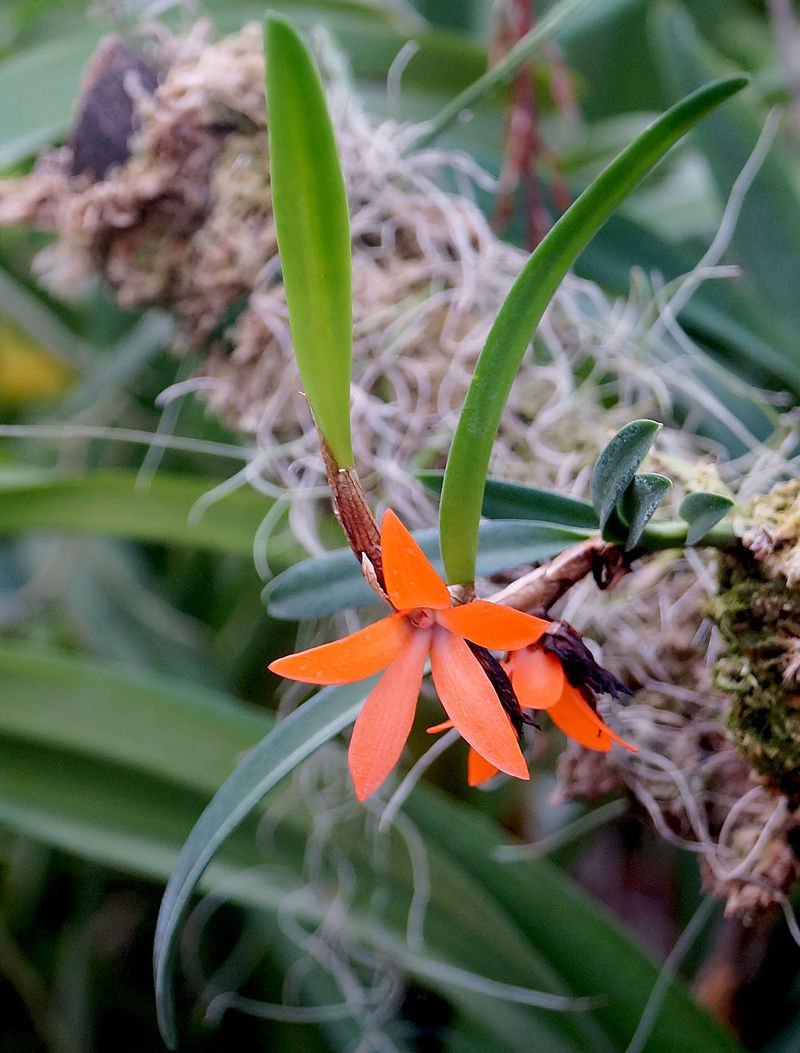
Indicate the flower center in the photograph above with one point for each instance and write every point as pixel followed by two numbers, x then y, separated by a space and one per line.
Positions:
pixel 421 618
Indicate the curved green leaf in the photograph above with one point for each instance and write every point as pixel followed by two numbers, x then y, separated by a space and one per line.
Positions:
pixel 291 741
pixel 639 502
pixel 617 464
pixel 312 223
pixel 109 503
pixel 134 719
pixel 462 493
pixel 702 511
pixel 504 500
pixel 319 586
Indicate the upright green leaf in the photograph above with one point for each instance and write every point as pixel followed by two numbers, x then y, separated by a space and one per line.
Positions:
pixel 313 227
pixel 617 464
pixel 522 309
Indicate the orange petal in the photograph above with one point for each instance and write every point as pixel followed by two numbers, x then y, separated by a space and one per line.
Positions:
pixel 384 723
pixel 537 678
pixel 479 770
pixel 493 625
pixel 472 704
pixel 354 658
pixel 410 579
pixel 576 718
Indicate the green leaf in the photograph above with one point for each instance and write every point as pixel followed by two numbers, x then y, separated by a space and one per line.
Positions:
pixel 462 493
pixel 617 464
pixel 134 719
pixel 315 587
pixel 109 503
pixel 767 230
pixel 702 511
pixel 291 741
pixel 638 503
pixel 503 500
pixel 37 91
pixel 108 803
pixel 584 940
pixel 313 227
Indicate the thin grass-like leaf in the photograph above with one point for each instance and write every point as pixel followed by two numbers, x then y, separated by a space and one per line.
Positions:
pixel 313 227
pixel 462 493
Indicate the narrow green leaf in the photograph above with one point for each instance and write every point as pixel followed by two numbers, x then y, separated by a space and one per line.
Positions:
pixel 617 464
pixel 312 222
pixel 291 741
pixel 503 500
pixel 702 511
pixel 640 500
pixel 315 587
pixel 519 316
pixel 109 503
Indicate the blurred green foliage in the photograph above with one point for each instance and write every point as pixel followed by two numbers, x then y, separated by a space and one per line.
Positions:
pixel 133 665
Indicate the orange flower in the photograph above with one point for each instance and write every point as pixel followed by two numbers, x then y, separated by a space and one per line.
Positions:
pixel 425 624
pixel 539 682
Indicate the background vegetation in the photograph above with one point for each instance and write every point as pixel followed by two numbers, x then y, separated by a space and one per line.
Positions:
pixel 135 643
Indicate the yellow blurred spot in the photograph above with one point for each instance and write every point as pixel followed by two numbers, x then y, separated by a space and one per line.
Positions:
pixel 28 371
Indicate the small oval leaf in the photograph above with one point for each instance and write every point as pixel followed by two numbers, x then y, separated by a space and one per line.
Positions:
pixel 315 587
pixel 702 511
pixel 504 500
pixel 276 756
pixel 637 505
pixel 617 464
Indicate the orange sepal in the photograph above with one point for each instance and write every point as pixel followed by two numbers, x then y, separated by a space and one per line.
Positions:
pixel 493 625
pixel 472 703
pixel 537 678
pixel 576 718
pixel 385 720
pixel 479 770
pixel 354 658
pixel 410 579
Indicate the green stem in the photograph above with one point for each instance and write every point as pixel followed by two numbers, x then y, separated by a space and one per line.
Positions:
pixel 671 533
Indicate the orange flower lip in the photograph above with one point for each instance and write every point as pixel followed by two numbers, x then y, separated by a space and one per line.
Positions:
pixel 425 625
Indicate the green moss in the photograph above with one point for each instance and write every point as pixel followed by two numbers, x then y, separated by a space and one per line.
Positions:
pixel 759 616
